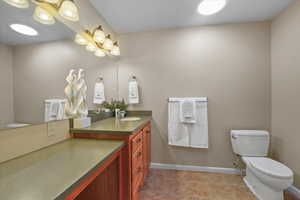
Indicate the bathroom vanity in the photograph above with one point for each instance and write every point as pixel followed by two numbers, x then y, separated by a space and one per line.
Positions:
pixel 136 153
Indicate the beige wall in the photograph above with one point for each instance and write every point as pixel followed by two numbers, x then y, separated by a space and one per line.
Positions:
pixel 6 85
pixel 229 64
pixel 285 88
pixel 40 72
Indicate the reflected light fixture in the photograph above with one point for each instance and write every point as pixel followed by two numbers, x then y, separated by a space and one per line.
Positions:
pixel 23 29
pixel 69 11
pixel 18 3
pixel 99 53
pixel 210 7
pixel 115 51
pixel 53 1
pixel 99 35
pixel 43 16
pixel 79 39
pixel 91 47
pixel 108 43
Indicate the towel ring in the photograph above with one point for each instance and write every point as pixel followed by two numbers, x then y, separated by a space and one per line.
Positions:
pixel 99 79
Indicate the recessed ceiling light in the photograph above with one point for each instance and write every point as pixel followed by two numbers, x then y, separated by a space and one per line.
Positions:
pixel 210 7
pixel 23 29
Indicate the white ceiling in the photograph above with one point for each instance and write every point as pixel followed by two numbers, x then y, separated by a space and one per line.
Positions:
pixel 10 15
pixel 143 15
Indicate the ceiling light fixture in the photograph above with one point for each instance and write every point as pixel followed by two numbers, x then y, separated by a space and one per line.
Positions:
pixel 99 35
pixel 43 16
pixel 210 7
pixel 23 29
pixel 18 3
pixel 91 47
pixel 108 43
pixel 115 51
pixel 69 11
pixel 53 1
pixel 79 39
pixel 99 53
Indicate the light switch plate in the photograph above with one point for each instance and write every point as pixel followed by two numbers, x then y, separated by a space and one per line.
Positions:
pixel 51 128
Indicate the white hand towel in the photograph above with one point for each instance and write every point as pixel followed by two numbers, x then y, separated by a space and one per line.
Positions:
pixel 188 111
pixel 99 95
pixel 133 90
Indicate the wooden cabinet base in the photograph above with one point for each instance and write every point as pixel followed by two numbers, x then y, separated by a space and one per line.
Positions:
pixel 103 184
pixel 135 159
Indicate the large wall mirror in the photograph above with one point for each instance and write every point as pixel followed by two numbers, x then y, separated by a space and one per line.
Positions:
pixel 33 67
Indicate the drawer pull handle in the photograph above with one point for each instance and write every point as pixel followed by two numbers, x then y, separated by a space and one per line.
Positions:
pixel 139 140
pixel 139 154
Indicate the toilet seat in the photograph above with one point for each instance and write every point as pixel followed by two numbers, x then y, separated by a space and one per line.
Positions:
pixel 270 167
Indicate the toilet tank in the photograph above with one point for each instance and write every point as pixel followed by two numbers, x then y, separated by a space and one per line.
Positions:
pixel 250 142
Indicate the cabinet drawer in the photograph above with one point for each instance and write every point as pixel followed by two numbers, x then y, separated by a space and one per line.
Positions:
pixel 136 196
pixel 137 176
pixel 137 158
pixel 137 141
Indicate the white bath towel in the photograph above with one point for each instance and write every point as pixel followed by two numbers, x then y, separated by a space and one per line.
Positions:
pixel 99 95
pixel 133 92
pixel 188 134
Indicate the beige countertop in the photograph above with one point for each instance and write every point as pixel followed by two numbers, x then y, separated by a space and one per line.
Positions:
pixel 53 172
pixel 114 126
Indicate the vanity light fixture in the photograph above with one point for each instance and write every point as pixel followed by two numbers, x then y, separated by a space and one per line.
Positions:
pixel 91 47
pixel 68 10
pixel 53 1
pixel 43 16
pixel 115 51
pixel 23 29
pixel 210 7
pixel 99 53
pixel 108 43
pixel 99 35
pixel 18 3
pixel 79 39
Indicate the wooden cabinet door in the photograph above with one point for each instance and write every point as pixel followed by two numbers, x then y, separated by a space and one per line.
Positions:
pixel 146 149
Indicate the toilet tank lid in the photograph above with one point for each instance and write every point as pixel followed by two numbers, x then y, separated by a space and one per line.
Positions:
pixel 249 133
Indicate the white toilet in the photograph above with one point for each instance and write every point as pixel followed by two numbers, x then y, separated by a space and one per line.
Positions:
pixel 266 178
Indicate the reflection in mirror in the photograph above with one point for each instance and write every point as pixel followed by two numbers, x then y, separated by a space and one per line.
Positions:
pixel 20 33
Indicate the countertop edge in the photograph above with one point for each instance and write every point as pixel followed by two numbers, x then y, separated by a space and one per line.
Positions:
pixel 74 185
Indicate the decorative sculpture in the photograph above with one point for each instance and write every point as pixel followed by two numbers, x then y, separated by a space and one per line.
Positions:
pixel 71 94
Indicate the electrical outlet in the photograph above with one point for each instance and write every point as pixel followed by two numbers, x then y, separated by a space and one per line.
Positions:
pixel 51 129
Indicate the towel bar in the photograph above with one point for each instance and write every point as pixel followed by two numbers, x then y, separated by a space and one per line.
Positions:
pixel 199 99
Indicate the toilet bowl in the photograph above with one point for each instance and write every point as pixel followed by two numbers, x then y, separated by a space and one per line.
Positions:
pixel 266 178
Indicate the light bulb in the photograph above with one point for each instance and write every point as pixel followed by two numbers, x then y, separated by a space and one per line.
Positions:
pixel 108 43
pixel 69 11
pixel 53 1
pixel 18 3
pixel 91 47
pixel 99 53
pixel 99 35
pixel 115 51
pixel 41 15
pixel 79 39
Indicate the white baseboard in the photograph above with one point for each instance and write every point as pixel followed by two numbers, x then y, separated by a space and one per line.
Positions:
pixel 196 168
pixel 295 191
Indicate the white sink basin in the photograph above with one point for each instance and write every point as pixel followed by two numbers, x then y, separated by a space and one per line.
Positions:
pixel 130 119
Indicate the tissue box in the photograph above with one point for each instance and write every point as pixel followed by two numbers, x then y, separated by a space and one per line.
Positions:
pixel 82 122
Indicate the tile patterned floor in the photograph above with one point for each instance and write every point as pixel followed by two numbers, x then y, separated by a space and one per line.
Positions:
pixel 183 185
